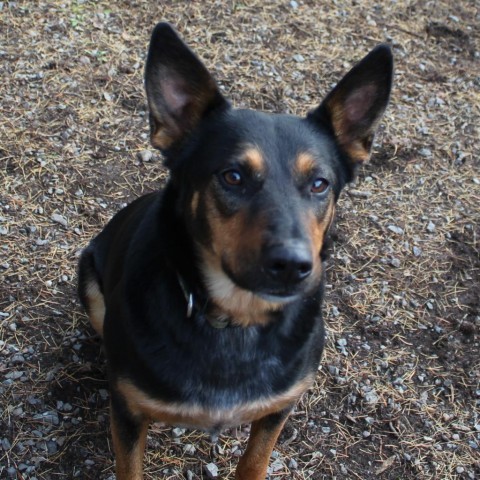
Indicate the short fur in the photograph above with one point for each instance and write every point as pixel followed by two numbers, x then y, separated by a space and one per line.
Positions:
pixel 208 294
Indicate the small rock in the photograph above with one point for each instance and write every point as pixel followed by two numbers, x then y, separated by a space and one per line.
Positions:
pixel 52 447
pixel 371 397
pixel 431 227
pixel 211 470
pixel 417 251
pixel 299 58
pixel 292 464
pixel 5 444
pixel 395 262
pixel 178 432
pixel 425 152
pixel 189 449
pixel 460 470
pixel 145 156
pixel 294 4
pixel 366 434
pixel 47 418
pixel 395 229
pixel 57 218
pixel 103 394
pixel 334 370
pixel 3 230
pixel 276 466
pixel 15 375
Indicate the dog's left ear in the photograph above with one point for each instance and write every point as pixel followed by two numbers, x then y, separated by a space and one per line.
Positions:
pixel 356 105
pixel 180 90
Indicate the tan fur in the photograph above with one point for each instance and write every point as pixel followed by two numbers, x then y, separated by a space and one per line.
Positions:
pixel 192 415
pixel 356 149
pixel 194 203
pixel 254 462
pixel 242 307
pixel 95 305
pixel 129 463
pixel 318 230
pixel 304 164
pixel 254 159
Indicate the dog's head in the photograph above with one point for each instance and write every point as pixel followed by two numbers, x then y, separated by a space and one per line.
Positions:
pixel 257 191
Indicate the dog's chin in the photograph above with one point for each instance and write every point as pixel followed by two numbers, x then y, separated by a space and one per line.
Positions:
pixel 238 297
pixel 277 298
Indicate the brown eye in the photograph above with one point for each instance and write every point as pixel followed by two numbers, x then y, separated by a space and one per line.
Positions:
pixel 319 185
pixel 232 177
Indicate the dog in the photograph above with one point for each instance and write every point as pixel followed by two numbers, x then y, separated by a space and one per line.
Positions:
pixel 208 294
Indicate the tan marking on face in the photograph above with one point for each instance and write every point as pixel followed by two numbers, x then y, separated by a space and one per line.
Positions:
pixel 95 305
pixel 235 241
pixel 194 203
pixel 318 230
pixel 304 164
pixel 197 416
pixel 235 236
pixel 254 159
pixel 242 307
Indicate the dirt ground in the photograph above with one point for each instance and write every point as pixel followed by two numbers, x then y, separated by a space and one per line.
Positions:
pixel 397 394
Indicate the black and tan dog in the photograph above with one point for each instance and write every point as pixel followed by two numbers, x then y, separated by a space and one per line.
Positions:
pixel 208 294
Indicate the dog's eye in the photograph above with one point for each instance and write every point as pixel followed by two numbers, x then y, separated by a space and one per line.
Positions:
pixel 232 177
pixel 319 185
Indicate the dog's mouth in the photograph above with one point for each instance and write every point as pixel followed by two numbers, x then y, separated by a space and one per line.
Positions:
pixel 277 297
pixel 268 286
pixel 237 295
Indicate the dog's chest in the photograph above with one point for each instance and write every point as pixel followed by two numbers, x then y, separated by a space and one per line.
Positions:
pixel 212 418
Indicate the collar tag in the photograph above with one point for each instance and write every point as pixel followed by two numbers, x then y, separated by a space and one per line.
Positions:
pixel 189 305
pixel 188 296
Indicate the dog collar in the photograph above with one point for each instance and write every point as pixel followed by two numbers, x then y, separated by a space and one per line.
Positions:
pixel 218 322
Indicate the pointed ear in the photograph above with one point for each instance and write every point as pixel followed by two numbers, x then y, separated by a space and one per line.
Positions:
pixel 180 90
pixel 356 105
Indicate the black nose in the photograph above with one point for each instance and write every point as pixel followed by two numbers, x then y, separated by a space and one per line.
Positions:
pixel 289 263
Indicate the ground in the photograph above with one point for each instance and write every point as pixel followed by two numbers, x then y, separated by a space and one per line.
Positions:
pixel 397 395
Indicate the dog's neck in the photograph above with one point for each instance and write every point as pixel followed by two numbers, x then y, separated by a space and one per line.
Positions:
pixel 197 304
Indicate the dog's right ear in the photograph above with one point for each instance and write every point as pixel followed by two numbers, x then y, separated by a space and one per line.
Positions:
pixel 180 90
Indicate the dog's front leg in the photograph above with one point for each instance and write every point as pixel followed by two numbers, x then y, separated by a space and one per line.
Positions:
pixel 129 434
pixel 263 435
